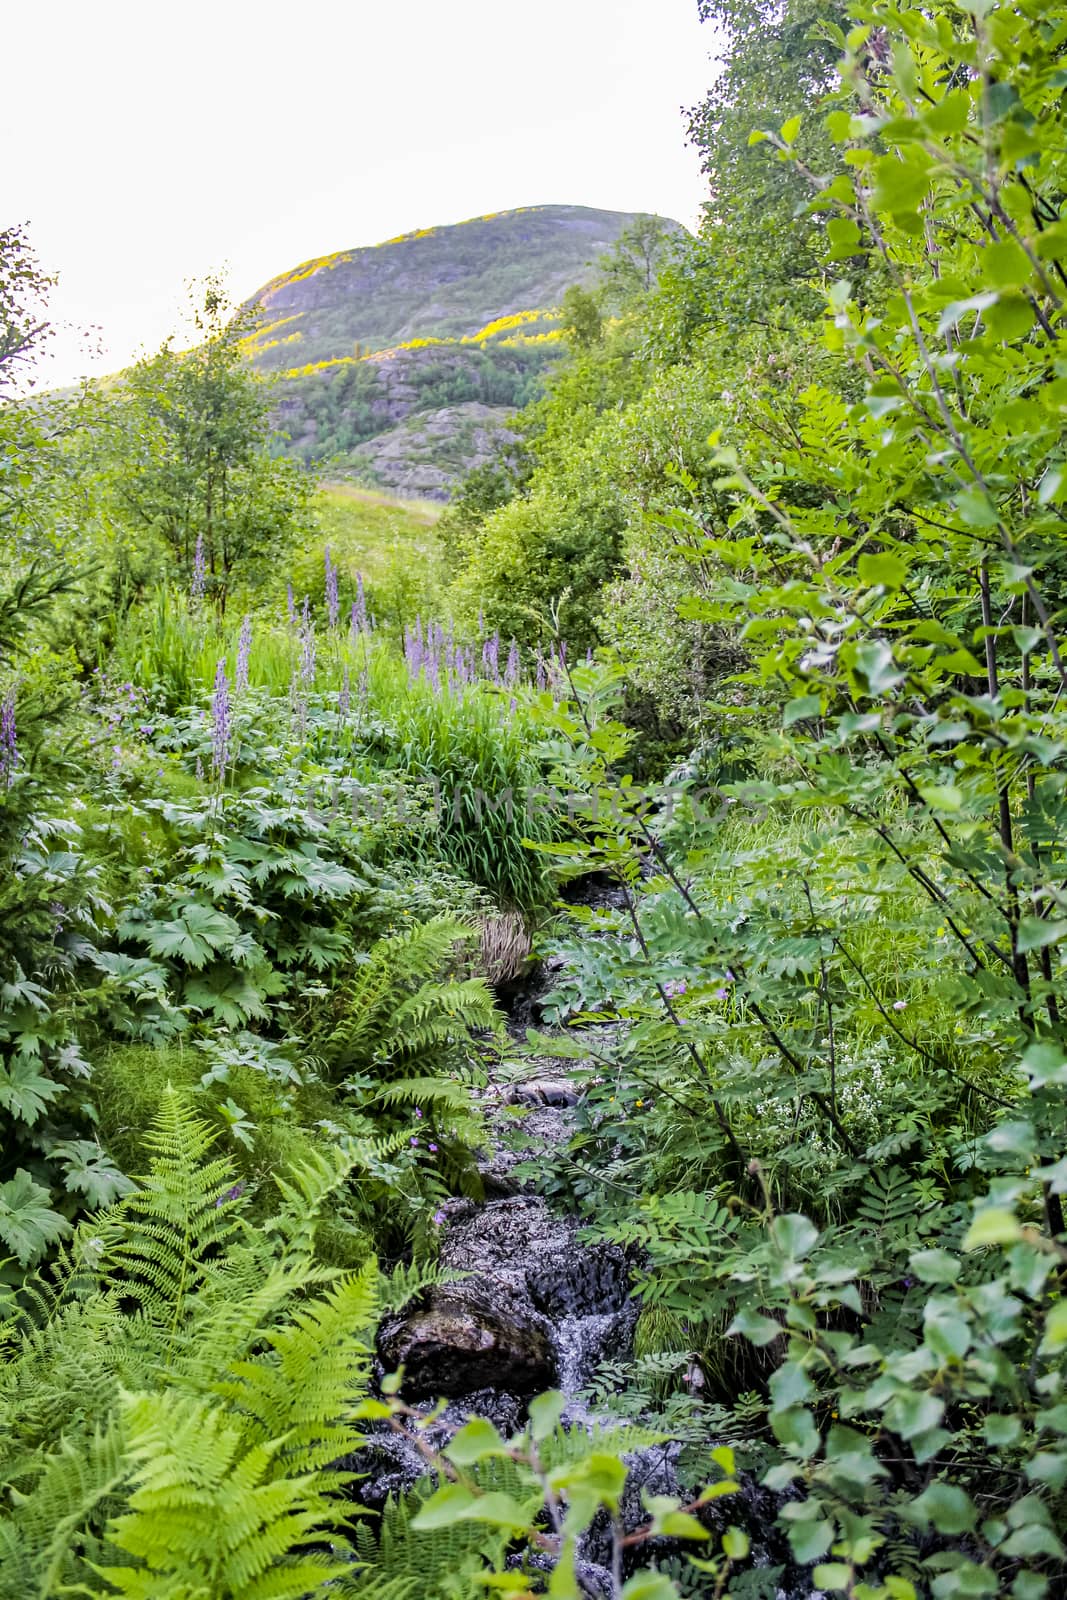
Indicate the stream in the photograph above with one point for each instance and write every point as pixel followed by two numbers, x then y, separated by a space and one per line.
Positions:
pixel 536 1309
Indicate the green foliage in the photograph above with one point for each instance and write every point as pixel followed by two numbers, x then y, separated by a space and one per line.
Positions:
pixel 191 463
pixel 841 973
pixel 177 1464
pixel 392 1016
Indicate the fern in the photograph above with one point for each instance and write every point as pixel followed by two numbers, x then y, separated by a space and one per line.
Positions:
pixel 394 1010
pixel 211 1514
pixel 200 1378
pixel 887 1203
pixel 448 1563
pixel 179 1222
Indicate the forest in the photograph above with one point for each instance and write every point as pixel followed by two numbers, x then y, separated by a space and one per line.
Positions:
pixel 533 1054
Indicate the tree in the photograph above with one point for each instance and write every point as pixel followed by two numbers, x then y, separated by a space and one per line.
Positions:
pixel 194 460
pixel 583 325
pixel 23 287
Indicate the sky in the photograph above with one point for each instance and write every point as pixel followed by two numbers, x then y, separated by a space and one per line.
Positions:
pixel 149 144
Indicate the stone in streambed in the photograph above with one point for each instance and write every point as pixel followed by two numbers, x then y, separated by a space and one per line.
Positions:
pixel 463 1340
pixel 543 1092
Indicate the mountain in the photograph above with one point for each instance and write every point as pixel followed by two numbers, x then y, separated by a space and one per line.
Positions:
pixel 400 363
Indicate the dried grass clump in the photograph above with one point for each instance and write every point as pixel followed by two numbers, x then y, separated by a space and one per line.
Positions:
pixel 503 946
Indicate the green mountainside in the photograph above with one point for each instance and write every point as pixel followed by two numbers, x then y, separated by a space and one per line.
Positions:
pixel 400 363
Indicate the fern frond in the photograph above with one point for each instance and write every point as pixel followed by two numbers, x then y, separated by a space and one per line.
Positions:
pixel 442 1093
pixel 322 1353
pixel 404 1283
pixel 214 1513
pixel 178 1222
pixel 72 1486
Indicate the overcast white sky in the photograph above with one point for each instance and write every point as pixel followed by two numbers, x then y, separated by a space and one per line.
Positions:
pixel 146 144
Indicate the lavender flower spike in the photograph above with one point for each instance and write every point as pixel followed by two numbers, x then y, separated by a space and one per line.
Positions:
pixel 307 647
pixel 244 647
pixel 199 583
pixel 220 717
pixel 333 605
pixel 359 607
pixel 9 750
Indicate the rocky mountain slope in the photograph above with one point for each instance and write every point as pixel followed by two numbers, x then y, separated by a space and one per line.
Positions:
pixel 400 363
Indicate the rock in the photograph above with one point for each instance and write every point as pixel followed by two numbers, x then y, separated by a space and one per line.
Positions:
pixel 543 1128
pixel 535 1307
pixel 464 1340
pixel 543 1092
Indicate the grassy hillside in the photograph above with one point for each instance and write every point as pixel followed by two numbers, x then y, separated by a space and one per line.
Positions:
pixel 447 282
pixel 391 542
pixel 454 324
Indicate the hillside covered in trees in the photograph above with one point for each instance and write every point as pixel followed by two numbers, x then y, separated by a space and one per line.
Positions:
pixel 533 1053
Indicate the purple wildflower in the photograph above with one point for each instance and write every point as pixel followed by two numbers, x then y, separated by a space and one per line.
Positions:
pixel 199 583
pixel 418 1111
pixel 413 1140
pixel 899 1005
pixel 307 646
pixel 220 716
pixel 231 1194
pixel 359 607
pixel 491 657
pixel 511 669
pixel 674 987
pixel 244 646
pixel 438 1218
pixel 9 749
pixel 333 604
pixel 432 1148
pixel 344 699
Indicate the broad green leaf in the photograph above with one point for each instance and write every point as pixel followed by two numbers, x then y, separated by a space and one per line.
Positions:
pixel 649 1586
pixel 1035 933
pixel 1055 1328
pixel 755 1327
pixel 799 710
pixel 28 1225
pixel 795 1235
pixel 935 1266
pixel 943 796
pixel 1045 1064
pixel 736 1543
pixel 544 1412
pixel 992 1225
pixel 1005 264
pixel 474 1442
pixel 889 571
pixel 946 1506
pixel 914 1413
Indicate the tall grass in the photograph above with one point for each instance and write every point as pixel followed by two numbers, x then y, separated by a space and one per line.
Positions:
pixel 471 743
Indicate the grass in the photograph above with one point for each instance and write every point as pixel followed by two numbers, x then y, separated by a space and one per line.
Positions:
pixel 472 746
pixel 392 543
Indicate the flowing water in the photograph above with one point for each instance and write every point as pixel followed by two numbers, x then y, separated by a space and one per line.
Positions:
pixel 535 1308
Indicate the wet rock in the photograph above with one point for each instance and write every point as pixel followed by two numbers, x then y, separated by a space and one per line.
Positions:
pixel 543 1092
pixel 542 1129
pixel 466 1339
pixel 535 1307
pixel 390 1463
